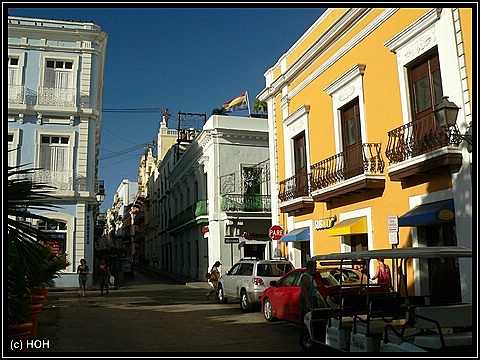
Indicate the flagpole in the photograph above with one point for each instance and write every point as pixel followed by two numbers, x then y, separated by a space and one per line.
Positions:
pixel 248 102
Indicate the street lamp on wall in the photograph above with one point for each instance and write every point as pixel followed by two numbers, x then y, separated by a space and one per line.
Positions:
pixel 446 113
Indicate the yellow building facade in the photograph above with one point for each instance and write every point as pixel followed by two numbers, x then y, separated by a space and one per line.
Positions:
pixel 359 160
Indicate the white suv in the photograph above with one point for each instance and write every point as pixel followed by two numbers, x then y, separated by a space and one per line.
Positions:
pixel 247 279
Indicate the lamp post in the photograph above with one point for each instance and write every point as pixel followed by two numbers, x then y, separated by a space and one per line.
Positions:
pixel 446 113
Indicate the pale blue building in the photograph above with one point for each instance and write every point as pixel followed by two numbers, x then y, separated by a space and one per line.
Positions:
pixel 55 89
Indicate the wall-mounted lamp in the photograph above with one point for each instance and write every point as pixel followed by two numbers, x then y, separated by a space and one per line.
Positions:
pixel 100 197
pixel 446 113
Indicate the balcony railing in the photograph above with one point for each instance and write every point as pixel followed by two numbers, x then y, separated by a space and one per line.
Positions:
pixel 293 187
pixel 16 94
pixel 415 138
pixel 190 213
pixel 364 158
pixel 61 180
pixel 56 97
pixel 246 203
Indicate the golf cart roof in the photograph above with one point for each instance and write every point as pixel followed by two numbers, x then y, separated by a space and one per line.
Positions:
pixel 400 253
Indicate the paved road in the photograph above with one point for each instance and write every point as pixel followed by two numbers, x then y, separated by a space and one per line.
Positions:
pixel 152 314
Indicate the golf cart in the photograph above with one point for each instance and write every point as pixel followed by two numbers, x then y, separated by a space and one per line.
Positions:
pixel 370 320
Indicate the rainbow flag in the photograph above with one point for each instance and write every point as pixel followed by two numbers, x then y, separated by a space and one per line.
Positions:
pixel 237 104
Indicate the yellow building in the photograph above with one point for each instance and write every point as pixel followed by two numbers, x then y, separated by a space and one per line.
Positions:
pixel 360 159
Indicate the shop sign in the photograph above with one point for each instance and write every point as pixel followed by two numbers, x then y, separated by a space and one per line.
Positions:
pixel 325 223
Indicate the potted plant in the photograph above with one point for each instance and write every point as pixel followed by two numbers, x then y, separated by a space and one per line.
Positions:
pixel 26 252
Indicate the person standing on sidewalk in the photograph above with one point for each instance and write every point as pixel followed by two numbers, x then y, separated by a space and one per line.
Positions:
pixel 104 272
pixel 82 271
pixel 213 281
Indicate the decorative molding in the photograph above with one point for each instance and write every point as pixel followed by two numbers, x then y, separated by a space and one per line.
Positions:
pixel 341 83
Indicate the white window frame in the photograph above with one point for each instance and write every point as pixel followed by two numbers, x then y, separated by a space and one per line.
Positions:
pixel 20 67
pixel 293 125
pixel 435 28
pixel 343 90
pixel 13 156
pixel 72 82
pixel 70 146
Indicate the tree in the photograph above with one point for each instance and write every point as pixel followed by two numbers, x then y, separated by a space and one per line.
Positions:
pixel 219 111
pixel 260 106
pixel 28 258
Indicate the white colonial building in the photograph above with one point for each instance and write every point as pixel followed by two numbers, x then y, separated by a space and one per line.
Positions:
pixel 55 89
pixel 213 197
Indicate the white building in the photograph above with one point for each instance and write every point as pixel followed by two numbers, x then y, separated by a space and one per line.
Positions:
pixel 55 89
pixel 214 197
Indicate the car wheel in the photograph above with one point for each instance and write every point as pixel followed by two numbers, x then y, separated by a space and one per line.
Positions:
pixel 245 305
pixel 267 310
pixel 221 295
pixel 306 342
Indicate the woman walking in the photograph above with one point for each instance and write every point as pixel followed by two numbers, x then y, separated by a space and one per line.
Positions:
pixel 104 272
pixel 82 271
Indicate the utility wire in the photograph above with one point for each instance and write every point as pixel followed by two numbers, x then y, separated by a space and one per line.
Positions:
pixel 151 110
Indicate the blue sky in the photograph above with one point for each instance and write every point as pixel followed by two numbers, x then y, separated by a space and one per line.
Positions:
pixel 184 59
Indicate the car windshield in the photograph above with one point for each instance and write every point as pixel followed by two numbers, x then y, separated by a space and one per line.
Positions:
pixel 273 269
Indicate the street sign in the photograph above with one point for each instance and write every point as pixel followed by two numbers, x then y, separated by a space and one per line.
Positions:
pixel 232 240
pixel 392 223
pixel 393 238
pixel 275 232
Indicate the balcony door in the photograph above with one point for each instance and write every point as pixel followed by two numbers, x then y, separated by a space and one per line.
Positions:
pixel 352 139
pixel 300 159
pixel 425 82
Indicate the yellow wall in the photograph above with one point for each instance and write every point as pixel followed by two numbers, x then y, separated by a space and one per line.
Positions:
pixel 383 112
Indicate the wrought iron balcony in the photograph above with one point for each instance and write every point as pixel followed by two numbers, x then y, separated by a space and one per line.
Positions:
pixel 189 214
pixel 422 147
pixel 16 94
pixel 57 97
pixel 61 180
pixel 361 159
pixel 293 187
pixel 246 203
pixel 415 138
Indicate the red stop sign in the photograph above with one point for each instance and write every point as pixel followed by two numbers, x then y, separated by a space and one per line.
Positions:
pixel 275 232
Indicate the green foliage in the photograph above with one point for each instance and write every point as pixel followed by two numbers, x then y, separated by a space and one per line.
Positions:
pixel 30 262
pixel 219 111
pixel 260 106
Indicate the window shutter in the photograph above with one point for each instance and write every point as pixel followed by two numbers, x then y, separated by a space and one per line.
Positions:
pixel 45 157
pixel 12 76
pixel 62 159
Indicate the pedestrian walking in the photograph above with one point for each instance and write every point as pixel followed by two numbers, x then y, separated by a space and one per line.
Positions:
pixel 383 275
pixel 104 273
pixel 308 288
pixel 82 271
pixel 213 280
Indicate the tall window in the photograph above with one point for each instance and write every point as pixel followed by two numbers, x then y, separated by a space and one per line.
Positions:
pixel 352 139
pixel 13 70
pixel 12 150
pixel 58 86
pixel 425 85
pixel 300 158
pixel 426 91
pixel 54 153
pixel 252 188
pixel 58 74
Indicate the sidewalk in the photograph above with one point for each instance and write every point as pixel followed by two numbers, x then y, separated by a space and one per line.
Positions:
pixel 66 316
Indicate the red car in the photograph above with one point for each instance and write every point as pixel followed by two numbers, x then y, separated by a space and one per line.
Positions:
pixel 281 299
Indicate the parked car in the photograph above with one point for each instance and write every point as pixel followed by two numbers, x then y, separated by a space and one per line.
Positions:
pixel 126 265
pixel 281 299
pixel 247 279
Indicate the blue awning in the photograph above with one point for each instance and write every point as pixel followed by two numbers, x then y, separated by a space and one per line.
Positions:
pixel 301 234
pixel 432 213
